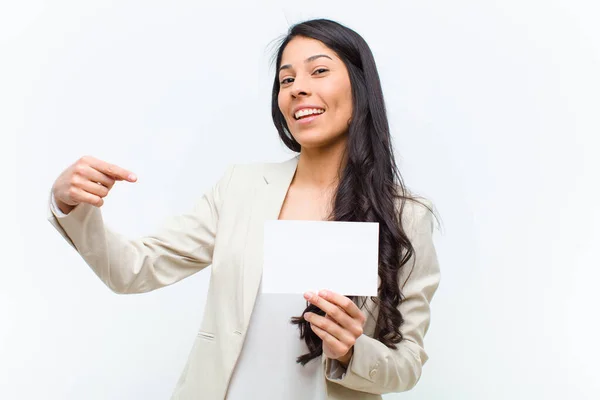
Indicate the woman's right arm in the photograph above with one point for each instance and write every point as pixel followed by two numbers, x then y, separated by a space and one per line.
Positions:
pixel 183 246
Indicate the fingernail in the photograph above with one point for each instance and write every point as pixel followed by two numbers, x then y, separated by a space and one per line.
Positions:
pixel 323 293
pixel 308 295
pixel 132 177
pixel 306 316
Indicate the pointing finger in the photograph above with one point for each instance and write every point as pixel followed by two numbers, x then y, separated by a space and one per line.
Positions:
pixel 114 171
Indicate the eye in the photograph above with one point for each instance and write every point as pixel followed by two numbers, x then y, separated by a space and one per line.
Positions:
pixel 286 81
pixel 320 71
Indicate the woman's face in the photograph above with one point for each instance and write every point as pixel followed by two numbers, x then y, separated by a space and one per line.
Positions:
pixel 315 95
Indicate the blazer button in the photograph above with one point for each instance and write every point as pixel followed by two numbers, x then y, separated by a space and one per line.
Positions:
pixel 373 373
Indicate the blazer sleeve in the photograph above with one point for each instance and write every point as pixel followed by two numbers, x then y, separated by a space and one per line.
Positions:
pixel 375 368
pixel 183 245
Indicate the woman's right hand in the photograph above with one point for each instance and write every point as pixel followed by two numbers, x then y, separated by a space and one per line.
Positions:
pixel 88 180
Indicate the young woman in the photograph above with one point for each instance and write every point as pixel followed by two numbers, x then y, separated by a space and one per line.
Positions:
pixel 327 106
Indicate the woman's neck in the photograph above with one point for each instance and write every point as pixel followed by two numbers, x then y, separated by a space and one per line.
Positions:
pixel 320 168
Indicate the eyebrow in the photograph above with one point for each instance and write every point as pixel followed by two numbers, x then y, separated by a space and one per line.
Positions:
pixel 309 59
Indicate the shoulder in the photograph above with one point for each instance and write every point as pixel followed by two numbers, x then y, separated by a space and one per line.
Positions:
pixel 239 180
pixel 245 174
pixel 418 222
pixel 416 213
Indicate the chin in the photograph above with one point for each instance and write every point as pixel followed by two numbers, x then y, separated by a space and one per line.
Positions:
pixel 314 140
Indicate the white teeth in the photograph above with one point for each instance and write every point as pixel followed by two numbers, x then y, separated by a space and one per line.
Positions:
pixel 308 111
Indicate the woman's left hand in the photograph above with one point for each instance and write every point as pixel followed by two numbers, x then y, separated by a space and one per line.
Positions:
pixel 340 327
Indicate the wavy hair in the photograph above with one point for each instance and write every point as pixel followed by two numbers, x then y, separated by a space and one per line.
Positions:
pixel 370 186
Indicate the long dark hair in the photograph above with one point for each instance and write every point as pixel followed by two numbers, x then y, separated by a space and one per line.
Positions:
pixel 370 187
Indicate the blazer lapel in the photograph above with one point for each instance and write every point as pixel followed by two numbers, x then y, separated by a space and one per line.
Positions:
pixel 268 202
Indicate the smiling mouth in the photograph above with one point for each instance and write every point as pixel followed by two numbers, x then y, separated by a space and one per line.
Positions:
pixel 308 112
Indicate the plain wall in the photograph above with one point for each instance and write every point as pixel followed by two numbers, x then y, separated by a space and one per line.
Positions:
pixel 493 107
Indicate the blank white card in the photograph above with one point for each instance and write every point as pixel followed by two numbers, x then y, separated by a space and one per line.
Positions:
pixel 302 256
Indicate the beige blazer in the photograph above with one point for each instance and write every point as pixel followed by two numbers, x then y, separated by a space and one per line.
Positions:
pixel 225 229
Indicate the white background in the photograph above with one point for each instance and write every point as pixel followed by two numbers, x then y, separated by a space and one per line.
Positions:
pixel 494 108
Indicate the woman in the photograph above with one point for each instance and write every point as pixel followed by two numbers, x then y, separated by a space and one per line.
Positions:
pixel 328 106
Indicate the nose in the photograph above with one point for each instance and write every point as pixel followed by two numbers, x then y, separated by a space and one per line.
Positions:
pixel 300 88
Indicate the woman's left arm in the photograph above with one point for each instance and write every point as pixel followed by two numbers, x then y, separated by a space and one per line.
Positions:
pixel 362 363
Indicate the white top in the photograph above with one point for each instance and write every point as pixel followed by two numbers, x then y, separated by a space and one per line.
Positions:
pixel 267 367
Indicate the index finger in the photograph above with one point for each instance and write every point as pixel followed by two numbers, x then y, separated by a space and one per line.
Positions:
pixel 114 171
pixel 341 301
